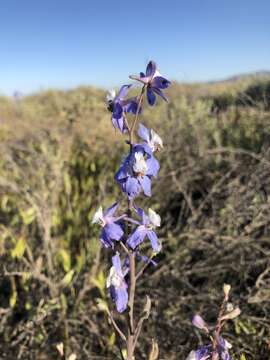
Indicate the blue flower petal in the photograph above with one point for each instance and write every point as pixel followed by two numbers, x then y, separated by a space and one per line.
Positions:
pixel 146 184
pixel 120 297
pixel 152 236
pixel 123 91
pixel 113 231
pixel 151 97
pixel 111 210
pixel 105 240
pixel 132 187
pixel 137 237
pixel 144 133
pixel 159 93
pixel 151 68
pixel 117 264
pixel 152 166
pixel 160 82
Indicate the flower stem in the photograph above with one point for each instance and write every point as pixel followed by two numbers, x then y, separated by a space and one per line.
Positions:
pixel 133 126
pixel 218 327
pixel 132 289
pixel 132 256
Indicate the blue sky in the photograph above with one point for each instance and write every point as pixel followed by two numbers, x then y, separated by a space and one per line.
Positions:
pixel 65 43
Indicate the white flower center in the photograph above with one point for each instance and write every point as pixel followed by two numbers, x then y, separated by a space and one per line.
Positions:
pixel 157 73
pixel 192 356
pixel 155 141
pixel 139 166
pixel 98 217
pixel 227 344
pixel 113 279
pixel 111 94
pixel 154 218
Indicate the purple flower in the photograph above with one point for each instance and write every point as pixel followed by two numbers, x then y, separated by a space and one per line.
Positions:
pixel 153 81
pixel 223 347
pixel 117 285
pixel 207 352
pixel 146 229
pixel 152 141
pixel 111 229
pixel 200 323
pixel 119 106
pixel 202 353
pixel 136 171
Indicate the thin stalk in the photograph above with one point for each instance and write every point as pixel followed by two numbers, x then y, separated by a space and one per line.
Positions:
pixel 133 126
pixel 218 327
pixel 132 290
pixel 132 257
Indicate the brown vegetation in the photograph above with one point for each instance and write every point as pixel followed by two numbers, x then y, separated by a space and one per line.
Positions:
pixel 59 155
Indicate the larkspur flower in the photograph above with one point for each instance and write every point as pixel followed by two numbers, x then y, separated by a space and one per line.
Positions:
pixel 223 347
pixel 111 228
pixel 117 285
pixel 152 141
pixel 206 352
pixel 136 171
pixel 118 105
pixel 153 81
pixel 146 229
pixel 203 353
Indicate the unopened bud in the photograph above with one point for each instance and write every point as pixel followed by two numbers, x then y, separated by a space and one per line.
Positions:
pixel 232 315
pixel 226 290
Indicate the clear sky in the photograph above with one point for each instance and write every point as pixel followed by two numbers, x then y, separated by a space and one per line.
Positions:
pixel 65 43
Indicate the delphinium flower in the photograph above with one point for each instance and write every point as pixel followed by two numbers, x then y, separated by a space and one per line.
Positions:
pixel 117 285
pixel 136 171
pixel 217 347
pixel 111 225
pixel 119 106
pixel 153 81
pixel 152 141
pixel 146 229
pixel 125 234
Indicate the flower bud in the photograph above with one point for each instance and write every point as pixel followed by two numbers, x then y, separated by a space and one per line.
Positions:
pixel 226 290
pixel 232 315
pixel 199 323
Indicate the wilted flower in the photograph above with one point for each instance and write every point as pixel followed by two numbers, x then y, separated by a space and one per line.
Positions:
pixel 118 105
pixel 153 81
pixel 146 229
pixel 111 229
pixel 117 285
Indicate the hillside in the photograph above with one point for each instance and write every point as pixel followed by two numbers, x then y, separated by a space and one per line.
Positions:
pixel 59 157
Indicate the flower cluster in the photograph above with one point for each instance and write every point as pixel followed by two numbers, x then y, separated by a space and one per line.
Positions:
pixel 217 347
pixel 134 177
pixel 125 233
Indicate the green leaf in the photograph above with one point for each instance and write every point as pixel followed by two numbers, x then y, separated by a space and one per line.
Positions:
pixel 100 282
pixel 67 183
pixel 111 340
pixel 68 278
pixel 13 299
pixel 80 261
pixel 28 216
pixel 19 249
pixel 64 259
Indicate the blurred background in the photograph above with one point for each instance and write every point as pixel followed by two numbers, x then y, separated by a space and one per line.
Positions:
pixel 59 154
